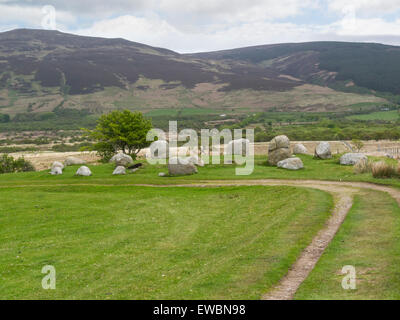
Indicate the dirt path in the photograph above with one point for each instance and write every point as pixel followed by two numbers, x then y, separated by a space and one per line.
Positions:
pixel 343 193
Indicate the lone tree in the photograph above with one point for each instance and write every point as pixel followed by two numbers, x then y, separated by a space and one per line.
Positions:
pixel 357 144
pixel 120 130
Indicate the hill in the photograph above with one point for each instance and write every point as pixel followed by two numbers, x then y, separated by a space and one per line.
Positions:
pixel 369 65
pixel 59 77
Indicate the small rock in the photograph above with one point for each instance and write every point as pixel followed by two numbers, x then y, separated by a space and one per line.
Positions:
pixel 291 164
pixel 83 171
pixel 119 170
pixel 162 174
pixel 134 170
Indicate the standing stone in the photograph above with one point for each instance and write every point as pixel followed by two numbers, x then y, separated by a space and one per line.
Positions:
pixel 83 171
pixel 121 159
pixel 179 167
pixel 71 161
pixel 237 147
pixel 56 171
pixel 323 150
pixel 350 159
pixel 299 148
pixel 57 164
pixel 159 150
pixel 278 149
pixel 119 170
pixel 291 164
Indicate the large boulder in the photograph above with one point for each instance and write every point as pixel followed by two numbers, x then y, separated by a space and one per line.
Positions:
pixel 237 147
pixel 121 159
pixel 56 171
pixel 57 164
pixel 323 150
pixel 83 171
pixel 159 149
pixel 119 170
pixel 291 164
pixel 350 159
pixel 278 149
pixel 71 161
pixel 179 167
pixel 299 148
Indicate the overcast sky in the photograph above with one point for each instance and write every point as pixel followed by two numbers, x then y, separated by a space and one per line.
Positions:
pixel 206 25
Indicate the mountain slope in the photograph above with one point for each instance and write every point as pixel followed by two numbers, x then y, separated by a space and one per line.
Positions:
pixel 87 64
pixel 369 65
pixel 47 74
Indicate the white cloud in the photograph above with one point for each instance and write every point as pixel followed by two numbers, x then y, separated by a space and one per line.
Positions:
pixel 367 27
pixel 205 25
pixel 31 16
pixel 368 7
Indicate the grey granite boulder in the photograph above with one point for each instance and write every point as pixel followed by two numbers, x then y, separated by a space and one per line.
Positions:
pixel 119 170
pixel 291 164
pixel 121 159
pixel 57 164
pixel 299 148
pixel 323 150
pixel 278 149
pixel 83 171
pixel 56 171
pixel 71 161
pixel 350 159
pixel 179 167
pixel 237 147
pixel 159 149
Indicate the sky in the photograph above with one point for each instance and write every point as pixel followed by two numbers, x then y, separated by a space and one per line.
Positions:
pixel 208 25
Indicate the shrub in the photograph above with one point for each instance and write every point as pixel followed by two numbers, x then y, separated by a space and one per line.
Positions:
pixel 382 169
pixel 362 166
pixel 8 164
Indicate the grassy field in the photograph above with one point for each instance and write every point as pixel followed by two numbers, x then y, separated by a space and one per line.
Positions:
pixel 111 240
pixel 367 240
pixel 392 115
pixel 154 243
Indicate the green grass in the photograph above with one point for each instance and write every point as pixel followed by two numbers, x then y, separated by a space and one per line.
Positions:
pixel 392 115
pixel 369 241
pixel 154 243
pixel 102 174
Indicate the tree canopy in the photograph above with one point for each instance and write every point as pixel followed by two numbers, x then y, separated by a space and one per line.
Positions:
pixel 121 131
